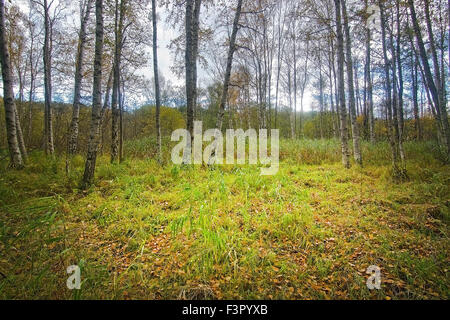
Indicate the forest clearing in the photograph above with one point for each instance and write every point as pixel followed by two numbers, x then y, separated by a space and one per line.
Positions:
pixel 151 232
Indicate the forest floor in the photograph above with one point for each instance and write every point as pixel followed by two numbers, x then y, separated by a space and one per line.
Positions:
pixel 146 231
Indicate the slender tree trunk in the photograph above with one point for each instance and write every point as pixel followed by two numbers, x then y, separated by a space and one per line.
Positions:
pixel 73 131
pixel 351 89
pixel 321 98
pixel 415 87
pixel 341 85
pixel 115 103
pixel 195 41
pixel 368 77
pixel 107 93
pixel 48 132
pixel 359 108
pixel 23 149
pixel 336 90
pixel 121 93
pixel 192 28
pixel 156 76
pixel 399 109
pixel 279 62
pixel 231 50
pixel 290 102
pixel 94 137
pixel 302 93
pixel 388 92
pixel 330 77
pixel 8 95
pixel 30 110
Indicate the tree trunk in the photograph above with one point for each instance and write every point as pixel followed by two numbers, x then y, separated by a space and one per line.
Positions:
pixel 303 87
pixel 192 28
pixel 107 93
pixel 48 125
pixel 321 98
pixel 115 129
pixel 434 88
pixel 415 87
pixel 369 86
pixel 277 86
pixel 23 149
pixel 341 85
pixel 8 95
pixel 231 50
pixel 73 131
pixel 121 93
pixel 156 76
pixel 355 130
pixel 91 158
pixel 399 109
pixel 388 91
pixel 330 77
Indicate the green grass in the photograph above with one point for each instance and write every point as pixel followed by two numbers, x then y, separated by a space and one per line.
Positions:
pixel 146 231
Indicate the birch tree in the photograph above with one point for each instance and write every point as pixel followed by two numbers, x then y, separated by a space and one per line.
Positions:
pixel 341 86
pixel 16 160
pixel 85 10
pixel 94 135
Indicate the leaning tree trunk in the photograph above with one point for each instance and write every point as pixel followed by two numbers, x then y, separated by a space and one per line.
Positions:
pixel 355 130
pixel 156 76
pixel 439 76
pixel 20 139
pixel 8 95
pixel 433 87
pixel 91 158
pixel 341 85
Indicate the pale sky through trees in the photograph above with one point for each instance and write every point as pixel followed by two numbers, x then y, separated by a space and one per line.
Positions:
pixel 166 33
